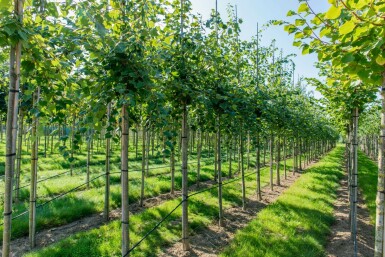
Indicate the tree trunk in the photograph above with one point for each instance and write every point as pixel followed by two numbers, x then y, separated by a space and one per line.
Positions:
pixel 143 163
pixel 242 171
pixel 354 179
pixel 184 144
pixel 124 182
pixel 11 132
pixel 248 150
pixel 259 192
pixel 88 158
pixel 18 155
pixel 199 153
pixel 219 174
pixel 284 157
pixel 172 166
pixel 108 168
pixel 33 188
pixel 278 178
pixel 72 144
pixel 215 150
pixel 230 156
pixel 147 155
pixel 271 160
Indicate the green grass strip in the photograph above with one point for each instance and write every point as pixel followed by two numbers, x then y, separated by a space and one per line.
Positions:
pixel 367 182
pixel 297 224
pixel 106 240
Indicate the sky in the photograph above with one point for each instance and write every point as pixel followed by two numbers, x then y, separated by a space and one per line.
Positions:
pixel 261 11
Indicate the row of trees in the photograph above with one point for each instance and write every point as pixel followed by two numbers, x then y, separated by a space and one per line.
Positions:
pixel 104 67
pixel 352 58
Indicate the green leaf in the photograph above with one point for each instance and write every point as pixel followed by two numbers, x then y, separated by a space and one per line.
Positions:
pixel 305 50
pixel 5 4
pixel 347 27
pixel 348 58
pixel 325 31
pixel 333 13
pixel 380 60
pixel 291 13
pixel 297 43
pixel 303 8
pixel 299 22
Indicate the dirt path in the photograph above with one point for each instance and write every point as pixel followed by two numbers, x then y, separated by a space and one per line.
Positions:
pixel 340 243
pixel 211 240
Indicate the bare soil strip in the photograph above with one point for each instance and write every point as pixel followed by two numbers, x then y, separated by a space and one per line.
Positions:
pixel 340 243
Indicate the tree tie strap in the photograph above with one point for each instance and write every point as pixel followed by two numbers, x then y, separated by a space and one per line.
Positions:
pixel 124 171
pixel 7 213
pixel 14 91
pixel 125 222
pixel 10 155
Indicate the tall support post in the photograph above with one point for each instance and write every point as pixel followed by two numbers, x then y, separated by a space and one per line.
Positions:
pixel 124 182
pixel 108 168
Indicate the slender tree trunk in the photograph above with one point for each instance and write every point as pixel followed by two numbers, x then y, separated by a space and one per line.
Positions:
pixel 172 166
pixel 72 144
pixel 124 182
pixel 259 191
pixel 264 153
pixel 11 132
pixel 355 179
pixel 300 154
pixel 219 174
pixel 18 155
pixel 294 156
pixel 379 241
pixel 230 156
pixel 108 168
pixel 33 188
pixel 215 157
pixel 285 157
pixel 136 141
pixel 52 144
pixel 248 150
pixel 143 163
pixel 242 171
pixel 147 155
pixel 45 142
pixel 184 139
pixel 278 178
pixel 199 153
pixel 88 158
pixel 271 161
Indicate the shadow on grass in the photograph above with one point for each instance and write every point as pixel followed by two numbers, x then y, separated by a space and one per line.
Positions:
pixel 297 224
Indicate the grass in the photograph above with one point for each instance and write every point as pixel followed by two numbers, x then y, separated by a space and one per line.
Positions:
pixel 367 181
pixel 105 241
pixel 83 202
pixel 297 224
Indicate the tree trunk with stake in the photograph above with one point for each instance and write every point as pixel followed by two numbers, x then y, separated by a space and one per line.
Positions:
pixel 33 188
pixel 11 131
pixel 18 155
pixel 108 168
pixel 124 182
